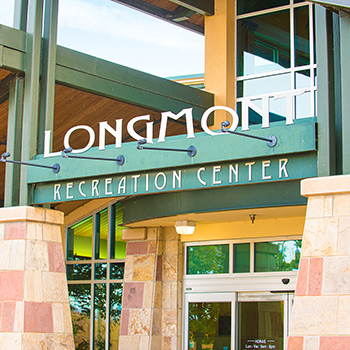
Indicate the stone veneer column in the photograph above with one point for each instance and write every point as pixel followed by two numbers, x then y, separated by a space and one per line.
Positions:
pixel 321 310
pixel 34 305
pixel 151 308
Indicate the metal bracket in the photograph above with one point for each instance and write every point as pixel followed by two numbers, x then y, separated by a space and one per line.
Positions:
pixel 55 168
pixel 191 151
pixel 271 140
pixel 120 159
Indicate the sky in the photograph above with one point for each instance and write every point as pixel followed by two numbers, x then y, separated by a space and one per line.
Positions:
pixel 119 34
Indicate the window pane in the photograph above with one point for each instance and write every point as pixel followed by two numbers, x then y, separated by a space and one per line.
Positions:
pixel 80 301
pixel 79 272
pixel 241 257
pixel 265 85
pixel 116 293
pixel 101 234
pixel 207 259
pixel 79 240
pixel 260 325
pixel 302 41
pixel 244 6
pixel 209 326
pixel 118 246
pixel 100 271
pixel 277 256
pixel 117 271
pixel 263 43
pixel 100 317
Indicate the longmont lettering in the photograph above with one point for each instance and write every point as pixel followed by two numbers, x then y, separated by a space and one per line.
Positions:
pixel 213 175
pixel 116 131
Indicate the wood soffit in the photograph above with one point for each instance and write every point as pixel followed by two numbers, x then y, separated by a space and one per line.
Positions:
pixel 75 107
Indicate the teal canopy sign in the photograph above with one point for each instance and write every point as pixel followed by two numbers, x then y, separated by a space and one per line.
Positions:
pixel 225 160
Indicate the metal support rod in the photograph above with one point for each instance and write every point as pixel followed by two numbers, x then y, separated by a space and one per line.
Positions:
pixel 271 140
pixel 56 167
pixel 191 151
pixel 120 159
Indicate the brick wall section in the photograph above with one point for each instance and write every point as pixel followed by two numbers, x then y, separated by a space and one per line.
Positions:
pixel 321 310
pixel 34 305
pixel 151 307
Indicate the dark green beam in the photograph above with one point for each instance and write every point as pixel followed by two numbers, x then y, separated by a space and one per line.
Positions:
pixel 14 133
pixel 219 199
pixel 344 23
pixel 109 79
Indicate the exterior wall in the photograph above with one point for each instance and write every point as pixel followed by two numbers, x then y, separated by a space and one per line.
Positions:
pixel 320 315
pixel 34 306
pixel 152 295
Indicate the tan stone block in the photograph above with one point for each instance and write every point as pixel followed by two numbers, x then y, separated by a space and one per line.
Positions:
pixel 320 237
pixel 343 320
pixel 167 247
pixel 179 322
pixel 144 342
pixel 11 341
pixel 58 317
pixel 15 214
pixel 174 247
pixel 67 319
pixel 325 185
pixel 37 256
pixel 33 287
pixel 34 341
pixel 336 275
pixel 148 295
pixel 328 206
pixel 2 231
pixel 315 207
pixel 139 322
pixel 55 287
pixel 144 267
pixel 129 342
pixel 34 231
pixel 160 247
pixel 169 322
pixel 134 234
pixel 18 323
pixel 128 268
pixel 156 342
pixel 52 233
pixel 54 217
pixel 60 342
pixel 170 272
pixel 17 255
pixel 311 343
pixel 5 249
pixel 158 292
pixel 166 295
pixel 342 205
pixel 314 315
pixel 152 233
pixel 344 236
pixel 170 234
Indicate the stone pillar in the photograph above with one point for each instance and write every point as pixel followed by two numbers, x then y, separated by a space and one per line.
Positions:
pixel 151 307
pixel 321 310
pixel 34 305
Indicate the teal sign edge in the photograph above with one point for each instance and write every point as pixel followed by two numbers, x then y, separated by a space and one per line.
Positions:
pixel 229 173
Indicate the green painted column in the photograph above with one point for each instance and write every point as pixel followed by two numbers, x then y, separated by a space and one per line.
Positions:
pixel 325 100
pixel 31 91
pixel 344 24
pixel 47 97
pixel 14 134
pixel 20 15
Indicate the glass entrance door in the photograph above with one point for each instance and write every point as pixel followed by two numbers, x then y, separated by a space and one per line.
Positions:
pixel 236 321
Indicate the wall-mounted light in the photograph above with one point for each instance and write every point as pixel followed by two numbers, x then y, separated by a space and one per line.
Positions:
pixel 191 151
pixel 185 227
pixel 252 218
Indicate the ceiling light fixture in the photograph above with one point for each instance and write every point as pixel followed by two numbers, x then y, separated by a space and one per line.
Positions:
pixel 185 227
